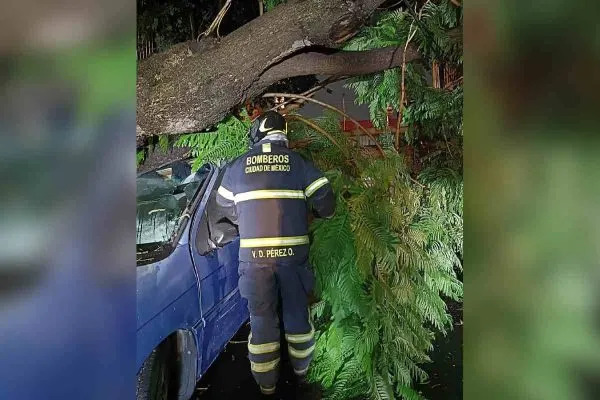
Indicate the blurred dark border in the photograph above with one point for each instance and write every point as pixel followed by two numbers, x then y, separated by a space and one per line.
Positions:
pixel 67 260
pixel 531 178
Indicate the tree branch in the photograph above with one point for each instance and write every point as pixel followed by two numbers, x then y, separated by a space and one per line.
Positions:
pixel 194 85
pixel 315 127
pixel 216 24
pixel 347 63
pixel 310 92
pixel 333 108
pixel 411 35
pixel 403 87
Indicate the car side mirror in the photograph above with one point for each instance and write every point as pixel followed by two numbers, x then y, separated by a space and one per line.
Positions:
pixel 223 232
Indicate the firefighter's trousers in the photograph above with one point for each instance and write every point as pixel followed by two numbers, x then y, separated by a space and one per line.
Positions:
pixel 264 285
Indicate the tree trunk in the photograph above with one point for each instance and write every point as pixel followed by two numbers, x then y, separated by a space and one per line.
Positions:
pixel 192 37
pixel 194 85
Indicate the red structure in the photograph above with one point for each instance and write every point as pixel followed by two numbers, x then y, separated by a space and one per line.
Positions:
pixel 349 126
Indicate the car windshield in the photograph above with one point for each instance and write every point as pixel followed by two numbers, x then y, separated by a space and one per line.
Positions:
pixel 162 196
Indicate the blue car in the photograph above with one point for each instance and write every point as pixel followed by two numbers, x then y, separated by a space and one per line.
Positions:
pixel 188 301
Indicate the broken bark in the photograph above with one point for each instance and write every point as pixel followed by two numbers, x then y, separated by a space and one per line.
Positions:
pixel 194 85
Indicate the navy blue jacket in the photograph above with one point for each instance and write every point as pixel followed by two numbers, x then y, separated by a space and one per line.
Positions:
pixel 269 192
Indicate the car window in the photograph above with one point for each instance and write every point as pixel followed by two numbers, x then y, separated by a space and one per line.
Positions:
pixel 162 196
pixel 214 230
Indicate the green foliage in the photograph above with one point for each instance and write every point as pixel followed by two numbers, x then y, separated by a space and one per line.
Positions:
pixel 270 4
pixel 163 142
pixel 383 264
pixel 140 157
pixel 389 257
pixel 228 141
pixel 430 112
pixel 437 32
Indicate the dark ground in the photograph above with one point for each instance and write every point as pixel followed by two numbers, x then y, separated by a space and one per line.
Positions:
pixel 445 372
pixel 229 377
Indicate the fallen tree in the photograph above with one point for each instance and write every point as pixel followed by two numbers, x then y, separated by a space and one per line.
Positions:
pixel 388 260
pixel 194 85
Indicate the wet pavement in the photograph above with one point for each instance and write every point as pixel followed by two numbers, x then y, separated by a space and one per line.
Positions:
pixel 230 378
pixel 445 371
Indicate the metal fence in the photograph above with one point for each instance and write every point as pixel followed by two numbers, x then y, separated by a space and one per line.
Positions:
pixel 145 47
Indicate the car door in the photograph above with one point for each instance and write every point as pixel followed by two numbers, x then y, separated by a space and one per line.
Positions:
pixel 166 280
pixel 217 268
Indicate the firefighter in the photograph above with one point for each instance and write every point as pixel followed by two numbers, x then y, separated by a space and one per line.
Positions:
pixel 269 192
